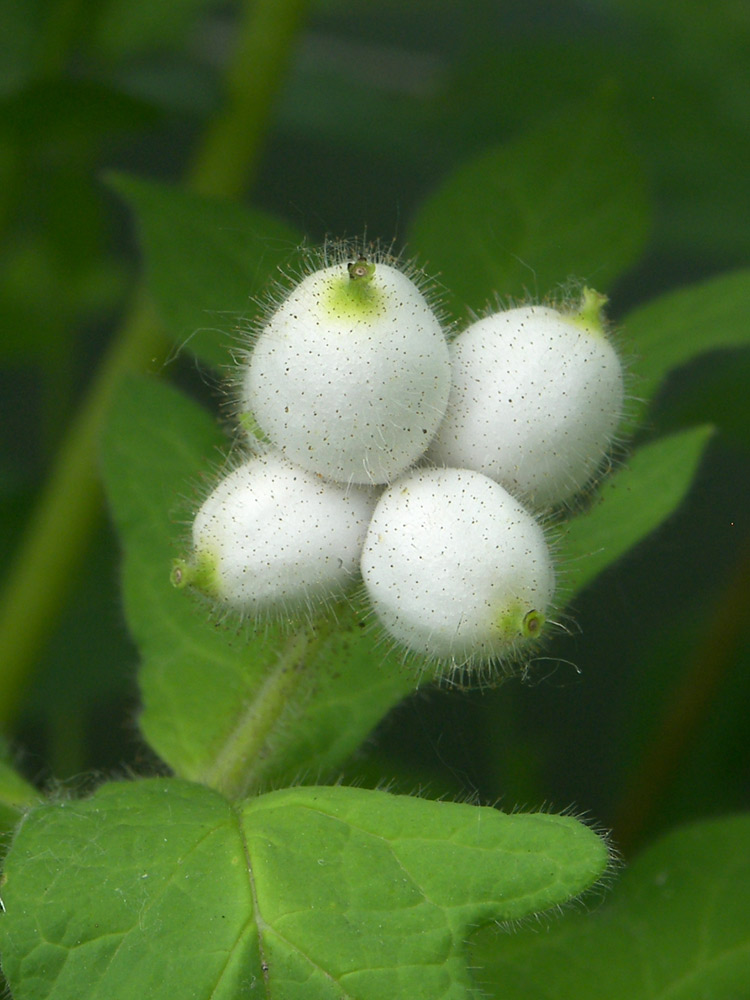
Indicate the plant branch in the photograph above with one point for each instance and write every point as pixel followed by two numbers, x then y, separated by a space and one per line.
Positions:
pixel 60 527
pixel 228 157
pixel 234 771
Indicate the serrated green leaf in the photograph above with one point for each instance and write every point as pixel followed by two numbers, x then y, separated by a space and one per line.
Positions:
pixel 206 259
pixel 566 199
pixel 633 503
pixel 677 927
pixel 679 326
pixel 162 889
pixel 202 682
pixel 140 891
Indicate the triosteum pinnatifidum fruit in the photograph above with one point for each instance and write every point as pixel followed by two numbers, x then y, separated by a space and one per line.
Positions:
pixel 272 537
pixel 537 397
pixel 456 568
pixel 350 376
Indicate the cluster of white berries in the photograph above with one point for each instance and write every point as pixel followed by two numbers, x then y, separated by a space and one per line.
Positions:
pixel 415 465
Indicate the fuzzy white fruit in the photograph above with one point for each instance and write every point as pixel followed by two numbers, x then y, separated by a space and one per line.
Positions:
pixel 456 568
pixel 351 375
pixel 273 537
pixel 537 396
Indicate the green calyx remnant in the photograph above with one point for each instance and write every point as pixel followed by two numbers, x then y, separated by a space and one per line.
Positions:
pixel 200 572
pixel 355 295
pixel 514 623
pixel 590 313
pixel 361 269
pixel 532 623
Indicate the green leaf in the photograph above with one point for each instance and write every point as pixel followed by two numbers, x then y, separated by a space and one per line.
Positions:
pixel 206 260
pixel 140 891
pixel 215 695
pixel 565 199
pixel 673 329
pixel 633 503
pixel 162 889
pixel 677 927
pixel 712 391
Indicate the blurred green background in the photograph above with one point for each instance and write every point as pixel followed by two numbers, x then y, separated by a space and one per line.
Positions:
pixel 370 107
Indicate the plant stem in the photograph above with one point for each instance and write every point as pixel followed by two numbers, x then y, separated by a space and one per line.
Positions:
pixel 58 37
pixel 235 768
pixel 61 526
pixel 229 155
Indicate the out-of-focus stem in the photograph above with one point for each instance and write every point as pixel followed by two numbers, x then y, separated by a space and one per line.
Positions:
pixel 226 161
pixel 60 528
pixel 61 525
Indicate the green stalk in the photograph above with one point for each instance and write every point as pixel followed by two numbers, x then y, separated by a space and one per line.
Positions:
pixel 60 528
pixel 58 37
pixel 236 770
pixel 228 157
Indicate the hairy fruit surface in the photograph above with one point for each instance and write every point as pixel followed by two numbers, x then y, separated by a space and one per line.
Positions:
pixel 273 537
pixel 350 376
pixel 456 568
pixel 537 397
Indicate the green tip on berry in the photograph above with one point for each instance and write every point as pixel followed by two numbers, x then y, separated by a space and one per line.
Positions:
pixel 181 573
pixel 356 296
pixel 515 624
pixel 199 573
pixel 590 312
pixel 531 626
pixel 361 269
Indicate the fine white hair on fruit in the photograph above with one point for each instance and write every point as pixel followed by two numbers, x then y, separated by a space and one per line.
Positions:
pixel 350 376
pixel 536 400
pixel 456 569
pixel 272 537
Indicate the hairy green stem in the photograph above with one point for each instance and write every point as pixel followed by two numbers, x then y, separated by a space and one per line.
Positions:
pixel 62 524
pixel 235 771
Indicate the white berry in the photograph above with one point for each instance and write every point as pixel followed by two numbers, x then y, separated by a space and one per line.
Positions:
pixel 456 568
pixel 273 537
pixel 537 396
pixel 350 377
